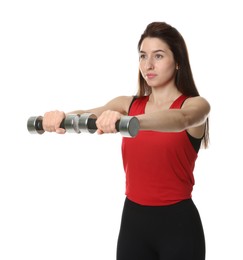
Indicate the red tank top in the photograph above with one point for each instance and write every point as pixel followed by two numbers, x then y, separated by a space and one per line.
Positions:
pixel 158 165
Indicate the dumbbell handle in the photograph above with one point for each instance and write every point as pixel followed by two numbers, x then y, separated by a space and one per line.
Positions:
pixel 91 124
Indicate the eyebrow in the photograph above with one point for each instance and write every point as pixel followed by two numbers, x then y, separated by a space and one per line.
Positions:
pixel 153 51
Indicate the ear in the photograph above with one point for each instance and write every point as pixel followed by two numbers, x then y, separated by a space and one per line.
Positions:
pixel 177 66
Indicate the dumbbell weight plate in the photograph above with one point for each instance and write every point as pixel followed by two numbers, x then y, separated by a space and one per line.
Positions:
pixel 86 123
pixel 129 126
pixel 34 125
pixel 71 124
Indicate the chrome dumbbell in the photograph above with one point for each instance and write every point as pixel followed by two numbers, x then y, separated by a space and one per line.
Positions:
pixel 128 126
pixel 70 123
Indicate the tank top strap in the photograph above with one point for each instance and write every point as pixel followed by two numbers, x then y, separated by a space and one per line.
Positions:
pixel 179 102
pixel 138 106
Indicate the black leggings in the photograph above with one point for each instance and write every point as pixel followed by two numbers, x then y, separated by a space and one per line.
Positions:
pixel 172 232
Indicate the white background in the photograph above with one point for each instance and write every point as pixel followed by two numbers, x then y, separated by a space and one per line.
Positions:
pixel 61 197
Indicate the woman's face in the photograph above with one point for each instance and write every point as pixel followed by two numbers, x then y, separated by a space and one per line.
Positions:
pixel 156 62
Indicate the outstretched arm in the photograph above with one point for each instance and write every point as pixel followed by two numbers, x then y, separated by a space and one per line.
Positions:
pixel 53 119
pixel 192 117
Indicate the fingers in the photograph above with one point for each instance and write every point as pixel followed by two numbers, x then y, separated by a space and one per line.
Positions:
pixel 99 132
pixel 106 123
pixel 60 131
pixel 52 121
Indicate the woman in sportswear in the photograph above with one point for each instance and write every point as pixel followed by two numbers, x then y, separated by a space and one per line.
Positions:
pixel 159 220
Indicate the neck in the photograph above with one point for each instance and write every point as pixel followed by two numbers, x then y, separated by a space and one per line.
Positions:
pixel 159 96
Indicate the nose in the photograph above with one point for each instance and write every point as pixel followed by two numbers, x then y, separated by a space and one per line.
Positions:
pixel 149 63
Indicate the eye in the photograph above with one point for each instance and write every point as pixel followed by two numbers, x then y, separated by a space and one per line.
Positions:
pixel 158 56
pixel 142 56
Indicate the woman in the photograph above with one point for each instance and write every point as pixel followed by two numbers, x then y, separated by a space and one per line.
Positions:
pixel 160 220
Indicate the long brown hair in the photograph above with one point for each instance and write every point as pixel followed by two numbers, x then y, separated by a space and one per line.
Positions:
pixel 183 79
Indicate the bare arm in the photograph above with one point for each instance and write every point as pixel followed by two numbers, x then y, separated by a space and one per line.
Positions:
pixel 192 117
pixel 120 104
pixel 53 119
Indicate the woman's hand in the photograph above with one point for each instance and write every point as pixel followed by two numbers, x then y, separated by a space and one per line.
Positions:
pixel 106 122
pixel 52 121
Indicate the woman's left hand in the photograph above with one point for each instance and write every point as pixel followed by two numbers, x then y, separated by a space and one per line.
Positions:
pixel 106 122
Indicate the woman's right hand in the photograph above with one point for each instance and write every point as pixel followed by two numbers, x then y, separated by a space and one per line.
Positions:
pixel 52 121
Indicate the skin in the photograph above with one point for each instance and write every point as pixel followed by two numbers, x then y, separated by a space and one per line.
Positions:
pixel 158 67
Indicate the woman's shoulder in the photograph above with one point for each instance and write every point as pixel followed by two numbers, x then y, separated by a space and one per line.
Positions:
pixel 197 100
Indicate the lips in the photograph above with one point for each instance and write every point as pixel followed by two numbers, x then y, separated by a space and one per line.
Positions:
pixel 150 75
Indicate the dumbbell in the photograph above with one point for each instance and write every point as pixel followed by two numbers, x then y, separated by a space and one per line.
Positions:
pixel 128 126
pixel 70 123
